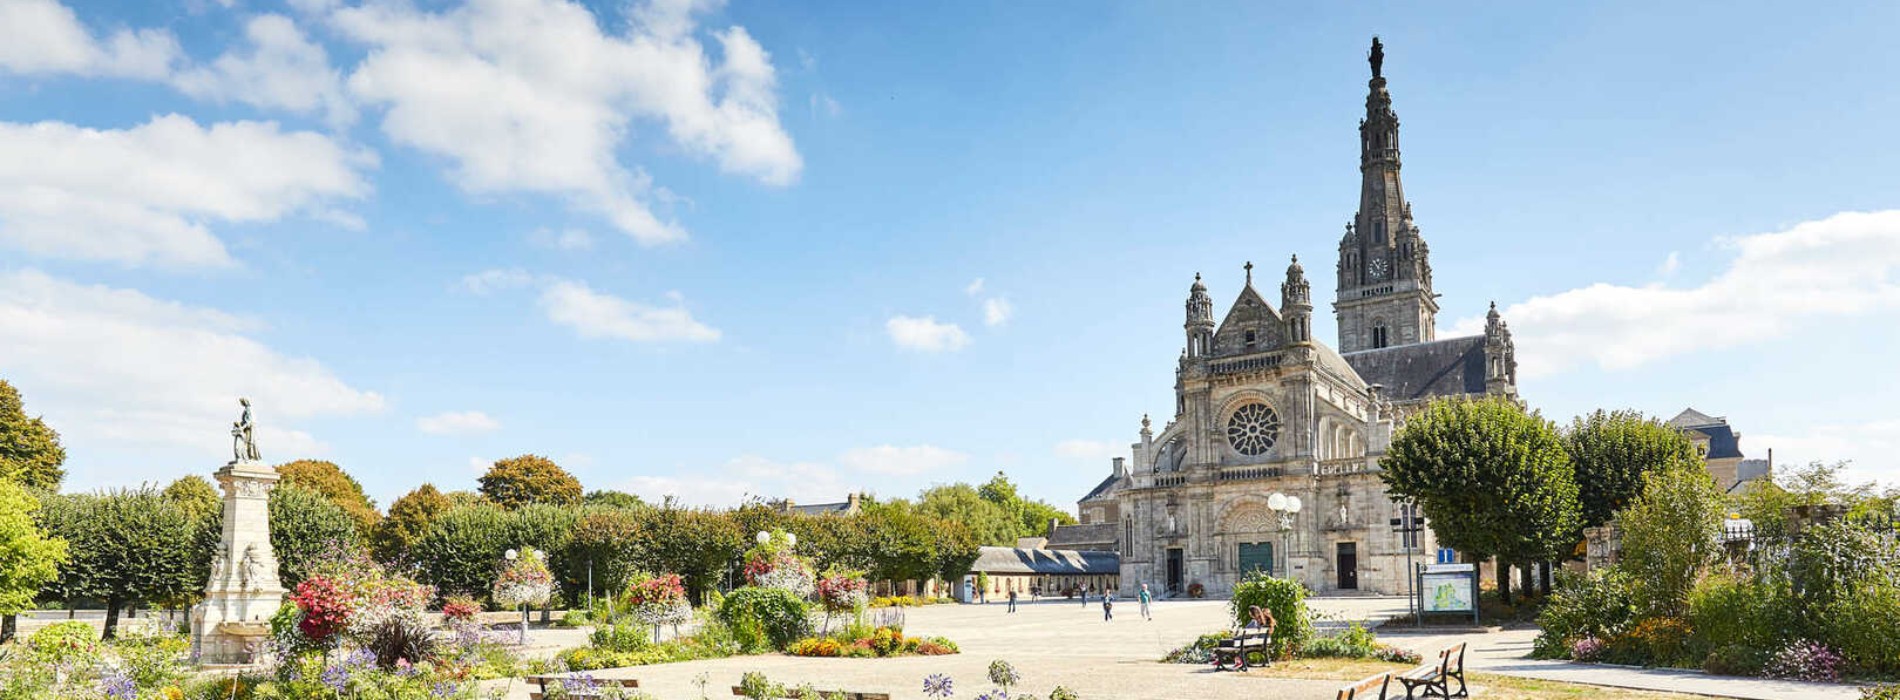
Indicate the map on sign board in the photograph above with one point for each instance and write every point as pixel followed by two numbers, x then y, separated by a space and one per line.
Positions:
pixel 1447 592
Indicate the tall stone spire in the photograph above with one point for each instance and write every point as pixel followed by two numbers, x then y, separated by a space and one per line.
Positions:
pixel 1385 289
pixel 1200 320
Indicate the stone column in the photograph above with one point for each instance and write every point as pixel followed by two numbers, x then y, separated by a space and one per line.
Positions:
pixel 243 592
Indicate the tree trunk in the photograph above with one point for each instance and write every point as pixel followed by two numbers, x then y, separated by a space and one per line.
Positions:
pixel 8 627
pixel 1545 583
pixel 112 617
pixel 1504 580
pixel 1526 577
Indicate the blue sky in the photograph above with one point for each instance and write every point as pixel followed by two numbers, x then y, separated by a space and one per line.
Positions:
pixel 718 249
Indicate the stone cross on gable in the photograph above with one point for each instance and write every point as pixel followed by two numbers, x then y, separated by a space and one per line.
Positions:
pixel 1249 267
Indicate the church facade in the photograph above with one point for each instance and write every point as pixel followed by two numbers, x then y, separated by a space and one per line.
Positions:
pixel 1264 409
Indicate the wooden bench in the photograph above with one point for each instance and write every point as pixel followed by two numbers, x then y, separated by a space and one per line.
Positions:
pixel 542 682
pixel 826 694
pixel 1234 649
pixel 1363 689
pixel 1436 678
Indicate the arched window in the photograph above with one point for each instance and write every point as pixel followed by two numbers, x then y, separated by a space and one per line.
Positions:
pixel 1378 334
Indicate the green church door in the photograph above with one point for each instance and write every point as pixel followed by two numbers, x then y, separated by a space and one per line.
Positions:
pixel 1256 556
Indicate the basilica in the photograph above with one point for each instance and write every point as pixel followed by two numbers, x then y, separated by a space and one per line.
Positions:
pixel 1266 416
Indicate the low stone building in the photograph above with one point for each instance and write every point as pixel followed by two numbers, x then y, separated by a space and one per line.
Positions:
pixel 1030 569
pixel 1721 449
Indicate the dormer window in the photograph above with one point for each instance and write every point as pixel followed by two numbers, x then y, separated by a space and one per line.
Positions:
pixel 1249 338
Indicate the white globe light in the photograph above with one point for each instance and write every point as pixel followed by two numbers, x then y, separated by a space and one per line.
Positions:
pixel 1292 504
pixel 763 537
pixel 538 554
pixel 511 554
pixel 1276 501
pixel 791 539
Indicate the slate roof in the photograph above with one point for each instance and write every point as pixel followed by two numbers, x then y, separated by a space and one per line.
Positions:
pixel 1010 560
pixel 822 508
pixel 1096 535
pixel 1101 489
pixel 1723 443
pixel 1450 367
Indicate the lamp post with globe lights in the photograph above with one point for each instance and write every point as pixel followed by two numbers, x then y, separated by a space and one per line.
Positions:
pixel 511 556
pixel 1286 507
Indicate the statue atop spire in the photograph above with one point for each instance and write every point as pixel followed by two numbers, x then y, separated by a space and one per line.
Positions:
pixel 1377 57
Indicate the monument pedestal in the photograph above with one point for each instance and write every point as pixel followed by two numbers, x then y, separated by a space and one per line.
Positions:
pixel 243 593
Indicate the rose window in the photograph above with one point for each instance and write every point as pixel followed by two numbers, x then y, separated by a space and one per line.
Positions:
pixel 1253 429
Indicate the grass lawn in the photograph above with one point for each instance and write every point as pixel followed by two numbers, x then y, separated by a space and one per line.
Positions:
pixel 1498 687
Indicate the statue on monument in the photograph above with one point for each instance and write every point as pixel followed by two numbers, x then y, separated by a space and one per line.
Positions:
pixel 243 436
pixel 1377 57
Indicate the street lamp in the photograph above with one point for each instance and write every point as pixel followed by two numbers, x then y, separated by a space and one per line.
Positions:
pixel 513 555
pixel 1286 507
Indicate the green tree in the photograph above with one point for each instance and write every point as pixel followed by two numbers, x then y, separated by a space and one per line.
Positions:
pixel 306 526
pixel 605 542
pixel 202 507
pixel 29 559
pixel 699 545
pixel 956 549
pixel 1613 451
pixel 612 499
pixel 330 480
pixel 1493 479
pixel 518 481
pixel 1671 532
pixel 30 453
pixel 460 551
pixel 990 523
pixel 409 517
pixel 125 546
pixel 1769 504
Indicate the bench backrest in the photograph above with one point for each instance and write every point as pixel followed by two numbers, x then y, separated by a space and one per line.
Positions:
pixel 1445 663
pixel 736 690
pixel 1363 689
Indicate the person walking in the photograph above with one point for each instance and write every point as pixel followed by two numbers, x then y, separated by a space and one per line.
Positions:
pixel 1085 596
pixel 1145 598
pixel 1012 600
pixel 1108 606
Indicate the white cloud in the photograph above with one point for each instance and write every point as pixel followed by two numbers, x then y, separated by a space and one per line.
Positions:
pixel 145 195
pixel 925 334
pixel 116 368
pixel 1089 450
pixel 457 423
pixel 596 315
pixel 997 311
pixel 1870 446
pixel 564 239
pixel 43 37
pixel 1843 265
pixel 901 461
pixel 729 484
pixel 282 69
pixel 1669 265
pixel 974 288
pixel 490 281
pixel 823 104
pixel 531 96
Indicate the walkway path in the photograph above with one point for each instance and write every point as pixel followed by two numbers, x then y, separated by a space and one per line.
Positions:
pixel 1064 643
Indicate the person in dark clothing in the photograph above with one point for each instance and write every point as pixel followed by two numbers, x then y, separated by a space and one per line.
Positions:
pixel 1108 606
pixel 1012 600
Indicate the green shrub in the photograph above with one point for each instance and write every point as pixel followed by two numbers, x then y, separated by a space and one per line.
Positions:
pixel 71 643
pixel 1286 599
pixel 1754 613
pixel 764 618
pixel 1735 660
pixel 153 660
pixel 1597 605
pixel 622 636
pixel 1864 624
pixel 1880 692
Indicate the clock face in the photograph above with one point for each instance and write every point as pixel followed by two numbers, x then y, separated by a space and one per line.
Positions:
pixel 1377 268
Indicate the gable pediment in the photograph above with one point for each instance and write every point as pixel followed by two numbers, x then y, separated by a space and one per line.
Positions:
pixel 1250 313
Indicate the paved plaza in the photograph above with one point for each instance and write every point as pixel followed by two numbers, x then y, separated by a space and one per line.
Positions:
pixel 1063 643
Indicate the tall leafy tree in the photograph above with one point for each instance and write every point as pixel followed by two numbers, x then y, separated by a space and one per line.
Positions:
pixel 306 526
pixel 29 558
pixel 519 481
pixel 612 499
pixel 461 550
pixel 698 545
pixel 125 546
pixel 202 507
pixel 409 517
pixel 1494 479
pixel 1670 532
pixel 30 453
pixel 1613 451
pixel 988 522
pixel 330 480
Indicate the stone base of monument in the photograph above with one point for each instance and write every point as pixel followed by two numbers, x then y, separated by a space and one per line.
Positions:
pixel 232 624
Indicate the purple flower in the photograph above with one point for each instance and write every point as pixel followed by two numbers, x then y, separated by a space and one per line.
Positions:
pixel 937 685
pixel 444 689
pixel 337 677
pixel 361 658
pixel 118 686
pixel 583 683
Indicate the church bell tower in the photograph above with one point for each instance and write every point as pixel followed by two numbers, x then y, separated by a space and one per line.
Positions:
pixel 1385 272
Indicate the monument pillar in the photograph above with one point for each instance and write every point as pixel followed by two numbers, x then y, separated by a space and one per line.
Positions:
pixel 243 593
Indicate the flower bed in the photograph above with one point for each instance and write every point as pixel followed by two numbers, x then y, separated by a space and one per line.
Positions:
pixel 883 642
